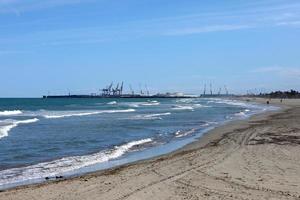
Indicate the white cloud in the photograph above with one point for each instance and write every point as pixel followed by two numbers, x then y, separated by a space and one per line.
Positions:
pixel 206 29
pixel 289 23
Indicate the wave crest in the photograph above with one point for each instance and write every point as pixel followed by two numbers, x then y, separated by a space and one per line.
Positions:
pixel 76 114
pixel 10 112
pixel 152 116
pixel 10 124
pixel 112 103
pixel 179 134
pixel 138 104
pixel 183 108
pixel 56 167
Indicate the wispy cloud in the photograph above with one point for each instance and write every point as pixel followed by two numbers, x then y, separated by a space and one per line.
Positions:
pixel 20 6
pixel 289 23
pixel 251 16
pixel 206 29
pixel 267 69
pixel 286 72
pixel 10 52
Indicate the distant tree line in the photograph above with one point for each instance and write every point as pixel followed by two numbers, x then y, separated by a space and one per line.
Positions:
pixel 281 94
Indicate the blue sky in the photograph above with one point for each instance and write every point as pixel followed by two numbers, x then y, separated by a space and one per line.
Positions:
pixel 80 46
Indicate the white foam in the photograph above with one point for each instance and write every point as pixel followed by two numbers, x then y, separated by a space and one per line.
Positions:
pixel 5 129
pixel 68 164
pixel 158 114
pixel 208 124
pixel 198 105
pixel 191 107
pixel 183 108
pixel 62 114
pixel 10 124
pixel 10 112
pixel 151 116
pixel 240 114
pixel 229 102
pixel 112 103
pixel 27 121
pixel 184 100
pixel 150 103
pixel 138 104
pixel 179 134
pixel 134 105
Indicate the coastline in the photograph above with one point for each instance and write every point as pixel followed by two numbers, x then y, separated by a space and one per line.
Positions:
pixel 119 182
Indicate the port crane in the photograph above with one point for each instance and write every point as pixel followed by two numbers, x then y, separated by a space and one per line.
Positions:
pixel 148 93
pixel 219 92
pixel 131 90
pixel 115 91
pixel 107 91
pixel 226 90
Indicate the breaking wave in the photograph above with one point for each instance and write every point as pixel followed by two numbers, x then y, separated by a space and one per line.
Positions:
pixel 10 112
pixel 7 125
pixel 179 134
pixel 198 105
pixel 112 103
pixel 57 167
pixel 151 103
pixel 183 108
pixel 138 104
pixel 159 114
pixel 78 114
pixel 242 113
pixel 151 116
pixel 184 100
pixel 229 102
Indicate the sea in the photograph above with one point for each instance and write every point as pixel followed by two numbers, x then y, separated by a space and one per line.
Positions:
pixel 47 139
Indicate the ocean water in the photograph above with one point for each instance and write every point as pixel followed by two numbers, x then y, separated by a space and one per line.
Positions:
pixel 42 138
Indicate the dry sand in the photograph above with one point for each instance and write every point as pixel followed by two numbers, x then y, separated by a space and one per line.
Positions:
pixel 254 159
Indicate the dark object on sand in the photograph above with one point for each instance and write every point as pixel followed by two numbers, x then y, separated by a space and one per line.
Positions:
pixel 56 177
pixel 268 102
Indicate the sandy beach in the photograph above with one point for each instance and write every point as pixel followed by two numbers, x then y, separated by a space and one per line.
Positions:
pixel 258 158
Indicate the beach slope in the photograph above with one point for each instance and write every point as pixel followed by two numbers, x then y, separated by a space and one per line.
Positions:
pixel 254 159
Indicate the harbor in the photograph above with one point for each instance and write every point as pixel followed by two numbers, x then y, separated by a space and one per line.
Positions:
pixel 117 91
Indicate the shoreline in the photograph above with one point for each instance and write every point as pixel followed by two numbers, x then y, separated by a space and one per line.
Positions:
pixel 207 141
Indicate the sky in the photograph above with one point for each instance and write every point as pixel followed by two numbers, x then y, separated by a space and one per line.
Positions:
pixel 80 46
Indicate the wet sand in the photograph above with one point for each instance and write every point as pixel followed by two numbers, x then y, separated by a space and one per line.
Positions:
pixel 258 158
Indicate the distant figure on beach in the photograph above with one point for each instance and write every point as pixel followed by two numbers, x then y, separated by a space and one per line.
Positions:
pixel 268 102
pixel 280 100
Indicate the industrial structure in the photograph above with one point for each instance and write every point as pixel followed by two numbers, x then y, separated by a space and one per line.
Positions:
pixel 117 91
pixel 216 94
pixel 111 91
